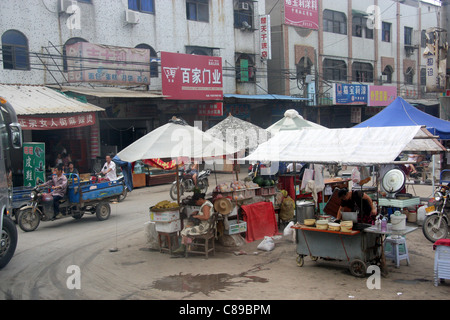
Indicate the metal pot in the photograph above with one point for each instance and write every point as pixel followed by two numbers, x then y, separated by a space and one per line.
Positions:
pixel 350 216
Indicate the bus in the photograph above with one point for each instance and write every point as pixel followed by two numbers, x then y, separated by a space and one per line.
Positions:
pixel 10 138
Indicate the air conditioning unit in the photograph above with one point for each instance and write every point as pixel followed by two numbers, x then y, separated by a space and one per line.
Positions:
pixel 384 78
pixel 65 4
pixel 132 17
pixel 244 6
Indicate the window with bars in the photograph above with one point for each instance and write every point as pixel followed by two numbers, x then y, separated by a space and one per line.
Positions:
pixel 146 6
pixel 408 35
pixel 334 21
pixel 334 70
pixel 243 14
pixel 245 68
pixel 197 10
pixel 362 72
pixel 15 51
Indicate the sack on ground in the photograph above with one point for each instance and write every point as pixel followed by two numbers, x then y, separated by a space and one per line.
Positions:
pixel 287 209
pixel 267 244
pixel 288 230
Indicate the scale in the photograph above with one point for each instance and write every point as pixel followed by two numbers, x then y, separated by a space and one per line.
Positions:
pixel 392 182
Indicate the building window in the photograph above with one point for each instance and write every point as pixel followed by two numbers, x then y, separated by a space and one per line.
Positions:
pixel 146 6
pixel 386 32
pixel 360 26
pixel 387 72
pixel 245 68
pixel 15 51
pixel 423 38
pixel 334 21
pixel 85 1
pixel 423 77
pixel 197 10
pixel 334 70
pixel 409 76
pixel 69 42
pixel 243 14
pixel 362 72
pixel 153 59
pixel 304 68
pixel 408 35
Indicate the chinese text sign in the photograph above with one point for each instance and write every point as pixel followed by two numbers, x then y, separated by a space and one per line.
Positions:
pixel 302 13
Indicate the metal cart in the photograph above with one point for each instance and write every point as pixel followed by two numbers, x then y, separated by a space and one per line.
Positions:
pixel 360 249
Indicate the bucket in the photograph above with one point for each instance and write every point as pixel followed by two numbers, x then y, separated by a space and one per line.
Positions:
pixel 305 210
pixel 398 222
pixel 412 215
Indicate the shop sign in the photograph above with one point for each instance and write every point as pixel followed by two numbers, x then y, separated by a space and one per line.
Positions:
pixel 381 96
pixel 191 77
pixel 302 13
pixel 238 110
pixel 435 77
pixel 350 93
pixel 33 163
pixel 54 123
pixel 266 43
pixel 210 109
pixel 88 62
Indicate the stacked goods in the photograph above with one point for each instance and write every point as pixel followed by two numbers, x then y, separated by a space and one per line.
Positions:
pixel 166 216
pixel 346 226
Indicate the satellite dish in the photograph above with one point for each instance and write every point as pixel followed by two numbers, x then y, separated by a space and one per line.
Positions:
pixel 393 181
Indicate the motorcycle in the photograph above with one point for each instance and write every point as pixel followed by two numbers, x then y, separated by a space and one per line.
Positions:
pixel 187 184
pixel 435 225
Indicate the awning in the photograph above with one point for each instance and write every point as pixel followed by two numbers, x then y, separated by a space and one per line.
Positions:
pixel 425 102
pixel 264 97
pixel 353 146
pixel 110 92
pixel 33 100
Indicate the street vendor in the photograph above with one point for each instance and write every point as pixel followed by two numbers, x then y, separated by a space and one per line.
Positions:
pixel 199 222
pixel 351 201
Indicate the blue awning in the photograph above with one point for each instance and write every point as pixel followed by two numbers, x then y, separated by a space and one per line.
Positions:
pixel 264 97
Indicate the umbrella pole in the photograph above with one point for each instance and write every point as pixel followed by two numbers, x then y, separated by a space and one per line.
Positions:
pixel 178 184
pixel 235 167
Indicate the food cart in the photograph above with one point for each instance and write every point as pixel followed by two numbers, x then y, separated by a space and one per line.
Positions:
pixel 362 245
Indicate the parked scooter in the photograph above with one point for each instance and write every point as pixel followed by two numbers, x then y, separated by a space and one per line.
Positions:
pixel 435 225
pixel 187 184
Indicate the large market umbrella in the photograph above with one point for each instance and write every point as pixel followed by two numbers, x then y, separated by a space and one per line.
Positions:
pixel 293 121
pixel 173 140
pixel 239 133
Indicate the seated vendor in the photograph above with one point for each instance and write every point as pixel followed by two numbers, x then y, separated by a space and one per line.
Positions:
pixel 198 222
pixel 351 201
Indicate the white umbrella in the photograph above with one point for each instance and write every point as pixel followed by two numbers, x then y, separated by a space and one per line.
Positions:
pixel 175 139
pixel 293 121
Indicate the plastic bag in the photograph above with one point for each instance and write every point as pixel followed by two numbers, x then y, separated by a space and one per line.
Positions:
pixel 288 230
pixel 267 244
pixel 356 176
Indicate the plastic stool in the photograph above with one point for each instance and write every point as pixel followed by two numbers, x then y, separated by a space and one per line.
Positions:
pixel 168 237
pixel 395 253
pixel 441 261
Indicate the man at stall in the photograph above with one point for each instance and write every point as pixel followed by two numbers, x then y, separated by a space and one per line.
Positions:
pixel 198 222
pixel 351 201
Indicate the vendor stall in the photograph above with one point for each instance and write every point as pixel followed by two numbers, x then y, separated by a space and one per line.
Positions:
pixel 357 147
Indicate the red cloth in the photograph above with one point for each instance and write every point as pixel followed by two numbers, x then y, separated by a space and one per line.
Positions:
pixel 261 221
pixel 288 185
pixel 440 242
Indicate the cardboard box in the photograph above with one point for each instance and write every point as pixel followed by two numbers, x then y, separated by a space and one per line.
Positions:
pixel 164 216
pixel 236 227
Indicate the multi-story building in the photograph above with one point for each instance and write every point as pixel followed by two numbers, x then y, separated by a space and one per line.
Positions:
pixel 372 48
pixel 37 33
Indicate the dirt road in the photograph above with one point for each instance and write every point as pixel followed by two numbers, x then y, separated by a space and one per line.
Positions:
pixel 48 259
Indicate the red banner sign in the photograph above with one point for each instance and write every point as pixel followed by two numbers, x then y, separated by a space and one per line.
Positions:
pixel 211 109
pixel 191 77
pixel 53 123
pixel 302 13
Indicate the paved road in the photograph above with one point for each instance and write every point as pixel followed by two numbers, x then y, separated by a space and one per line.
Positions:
pixel 46 261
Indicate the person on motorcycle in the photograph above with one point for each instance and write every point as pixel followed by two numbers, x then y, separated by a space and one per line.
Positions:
pixel 58 185
pixel 109 169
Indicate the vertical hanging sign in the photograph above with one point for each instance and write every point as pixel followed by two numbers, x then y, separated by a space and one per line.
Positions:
pixel 33 164
pixel 266 48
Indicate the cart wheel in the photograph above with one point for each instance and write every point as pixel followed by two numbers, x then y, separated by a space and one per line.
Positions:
pixel 103 210
pixel 314 258
pixel 300 261
pixel 358 268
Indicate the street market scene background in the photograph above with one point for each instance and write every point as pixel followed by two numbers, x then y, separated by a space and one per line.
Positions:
pixel 276 106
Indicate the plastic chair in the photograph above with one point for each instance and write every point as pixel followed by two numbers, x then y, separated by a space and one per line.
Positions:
pixel 441 263
pixel 394 253
pixel 205 242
